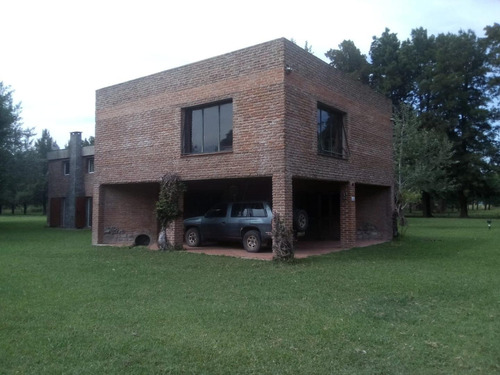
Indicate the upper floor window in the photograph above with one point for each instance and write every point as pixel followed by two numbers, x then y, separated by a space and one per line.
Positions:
pixel 66 167
pixel 332 139
pixel 208 129
pixel 90 165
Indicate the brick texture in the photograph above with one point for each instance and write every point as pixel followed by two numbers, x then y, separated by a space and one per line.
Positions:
pixel 139 134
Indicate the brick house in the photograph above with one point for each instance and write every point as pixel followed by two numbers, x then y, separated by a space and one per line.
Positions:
pixel 70 185
pixel 267 122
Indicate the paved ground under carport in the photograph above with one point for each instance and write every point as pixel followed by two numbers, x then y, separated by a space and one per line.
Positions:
pixel 303 249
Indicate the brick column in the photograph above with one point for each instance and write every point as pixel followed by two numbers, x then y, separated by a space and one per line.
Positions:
pixel 175 231
pixel 283 197
pixel 348 215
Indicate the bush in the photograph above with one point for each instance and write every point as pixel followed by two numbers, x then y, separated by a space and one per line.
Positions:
pixel 167 206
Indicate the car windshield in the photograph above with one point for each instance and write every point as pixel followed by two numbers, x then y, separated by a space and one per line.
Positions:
pixel 218 210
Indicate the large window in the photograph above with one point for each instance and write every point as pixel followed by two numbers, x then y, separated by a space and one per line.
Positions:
pixel 331 132
pixel 208 129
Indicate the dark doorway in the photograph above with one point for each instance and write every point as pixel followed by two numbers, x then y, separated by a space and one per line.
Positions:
pixel 321 201
pixel 56 212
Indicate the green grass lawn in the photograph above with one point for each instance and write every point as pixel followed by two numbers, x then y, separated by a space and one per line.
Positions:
pixel 428 303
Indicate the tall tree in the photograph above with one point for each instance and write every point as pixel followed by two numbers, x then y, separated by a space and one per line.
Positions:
pixel 390 73
pixel 43 146
pixel 460 101
pixel 12 139
pixel 421 159
pixel 349 59
pixel 453 83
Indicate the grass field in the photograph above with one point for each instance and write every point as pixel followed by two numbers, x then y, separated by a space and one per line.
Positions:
pixel 428 303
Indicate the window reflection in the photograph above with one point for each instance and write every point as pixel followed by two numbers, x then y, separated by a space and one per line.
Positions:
pixel 208 129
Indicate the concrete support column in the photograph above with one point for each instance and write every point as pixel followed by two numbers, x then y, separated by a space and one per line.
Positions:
pixel 348 215
pixel 283 197
pixel 175 231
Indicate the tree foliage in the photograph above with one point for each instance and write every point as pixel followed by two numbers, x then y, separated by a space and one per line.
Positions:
pixel 349 59
pixel 452 83
pixel 422 158
pixel 23 170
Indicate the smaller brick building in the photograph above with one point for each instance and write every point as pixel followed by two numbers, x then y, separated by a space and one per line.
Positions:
pixel 269 122
pixel 71 180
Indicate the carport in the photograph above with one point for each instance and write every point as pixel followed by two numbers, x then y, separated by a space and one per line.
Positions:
pixel 200 195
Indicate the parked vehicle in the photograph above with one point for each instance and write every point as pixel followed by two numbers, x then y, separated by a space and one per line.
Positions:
pixel 249 222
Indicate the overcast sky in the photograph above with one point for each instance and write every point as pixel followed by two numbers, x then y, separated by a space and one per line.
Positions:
pixel 56 54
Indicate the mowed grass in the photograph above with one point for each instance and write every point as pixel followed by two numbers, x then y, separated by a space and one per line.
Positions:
pixel 428 303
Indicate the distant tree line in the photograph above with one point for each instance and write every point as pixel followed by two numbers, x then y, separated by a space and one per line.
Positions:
pixel 23 159
pixel 445 95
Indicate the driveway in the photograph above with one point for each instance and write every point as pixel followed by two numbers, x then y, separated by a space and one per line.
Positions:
pixel 303 249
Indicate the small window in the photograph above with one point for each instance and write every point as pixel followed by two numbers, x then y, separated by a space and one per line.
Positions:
pixel 332 138
pixel 90 165
pixel 66 167
pixel 208 129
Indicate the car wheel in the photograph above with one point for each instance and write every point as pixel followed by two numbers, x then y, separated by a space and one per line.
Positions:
pixel 192 237
pixel 301 221
pixel 251 241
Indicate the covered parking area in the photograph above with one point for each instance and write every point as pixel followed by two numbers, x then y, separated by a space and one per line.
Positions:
pixel 342 214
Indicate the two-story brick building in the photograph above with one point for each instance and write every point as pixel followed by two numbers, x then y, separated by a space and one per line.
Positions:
pixel 267 122
pixel 71 185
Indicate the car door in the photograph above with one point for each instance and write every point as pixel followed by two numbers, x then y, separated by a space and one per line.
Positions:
pixel 239 217
pixel 213 225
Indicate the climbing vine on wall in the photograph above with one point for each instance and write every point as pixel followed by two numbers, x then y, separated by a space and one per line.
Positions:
pixel 167 207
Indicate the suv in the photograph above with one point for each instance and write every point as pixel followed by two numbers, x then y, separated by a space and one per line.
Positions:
pixel 249 222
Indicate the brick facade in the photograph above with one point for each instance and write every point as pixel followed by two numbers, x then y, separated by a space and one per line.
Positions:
pixel 275 88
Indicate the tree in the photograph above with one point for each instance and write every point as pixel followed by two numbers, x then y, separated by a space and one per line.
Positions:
pixel 13 141
pixel 43 146
pixel 88 141
pixel 390 73
pixel 349 59
pixel 452 81
pixel 459 100
pixel 422 158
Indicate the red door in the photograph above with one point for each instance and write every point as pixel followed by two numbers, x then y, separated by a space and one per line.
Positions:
pixel 56 210
pixel 80 209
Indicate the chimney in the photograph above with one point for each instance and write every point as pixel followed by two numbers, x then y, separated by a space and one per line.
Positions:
pixel 76 185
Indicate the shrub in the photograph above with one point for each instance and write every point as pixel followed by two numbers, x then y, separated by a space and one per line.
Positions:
pixel 167 206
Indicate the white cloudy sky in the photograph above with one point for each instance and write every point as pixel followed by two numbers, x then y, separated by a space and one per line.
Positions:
pixel 56 53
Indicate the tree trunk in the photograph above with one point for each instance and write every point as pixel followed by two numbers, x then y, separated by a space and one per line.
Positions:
pixel 13 209
pixel 462 201
pixel 426 204
pixel 25 208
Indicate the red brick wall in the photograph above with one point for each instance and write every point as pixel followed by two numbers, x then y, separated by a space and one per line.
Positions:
pixel 139 125
pixel 368 125
pixel 128 211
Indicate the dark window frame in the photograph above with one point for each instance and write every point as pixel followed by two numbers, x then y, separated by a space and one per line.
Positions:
pixel 66 167
pixel 90 165
pixel 331 132
pixel 207 142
